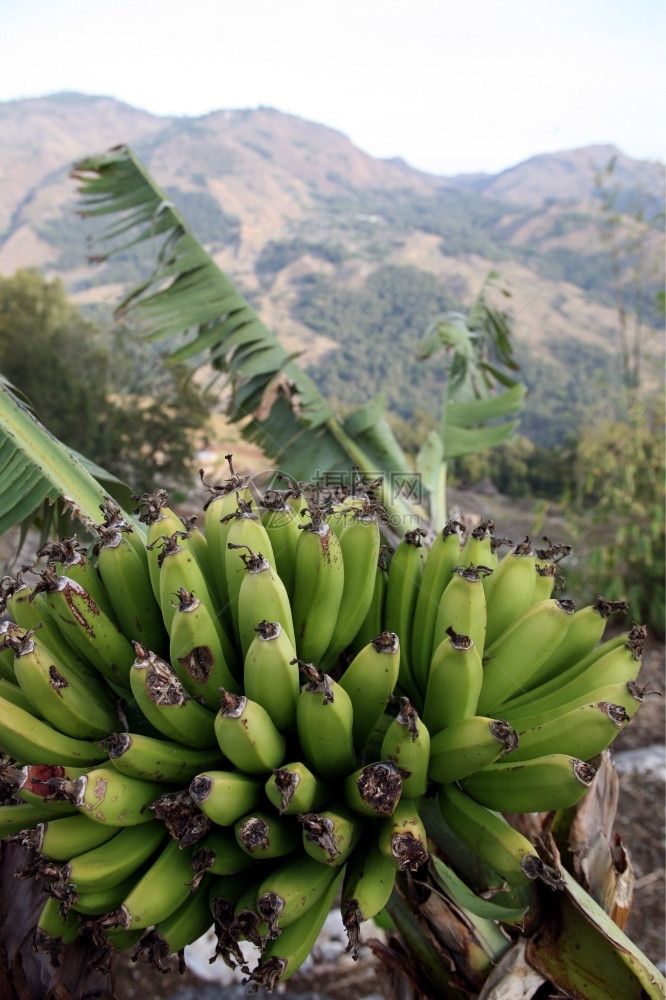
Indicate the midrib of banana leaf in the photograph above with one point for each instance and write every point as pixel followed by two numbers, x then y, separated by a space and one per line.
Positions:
pixel 190 301
pixel 41 479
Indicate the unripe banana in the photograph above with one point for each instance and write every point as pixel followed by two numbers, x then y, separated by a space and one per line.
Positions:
pixel 407 743
pixel 111 862
pixel 596 669
pixel 152 759
pixel 284 955
pixel 67 557
pixel 281 523
pixel 373 623
pixel 292 889
pixel 161 522
pixel 294 789
pixel 463 608
pixel 224 500
pixel 180 569
pixel 374 790
pixel 32 741
pixel 359 544
pixel 584 732
pixel 82 710
pixel 219 853
pixel 369 680
pixel 38 785
pixel 628 695
pixel 65 837
pixel 247 735
pixel 107 796
pixel 366 889
pixel 490 838
pixel 12 692
pixel 261 596
pixel 478 547
pixel 87 628
pixel 510 590
pixel 454 682
pixel 442 556
pixel 405 576
pixel 585 631
pixel 544 583
pixel 166 704
pixel 270 673
pixel 402 837
pixel 99 902
pixel 318 588
pixel 160 890
pixel 324 721
pixel 267 835
pixel 170 936
pixel 511 661
pixel 225 796
pixel 555 781
pixel 247 532
pixel 126 579
pixel 329 836
pixel 467 746
pixel 53 930
pixel 200 651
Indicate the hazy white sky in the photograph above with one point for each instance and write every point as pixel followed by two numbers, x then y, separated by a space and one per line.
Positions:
pixel 449 85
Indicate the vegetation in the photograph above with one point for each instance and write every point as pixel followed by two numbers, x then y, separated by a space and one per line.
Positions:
pixel 105 395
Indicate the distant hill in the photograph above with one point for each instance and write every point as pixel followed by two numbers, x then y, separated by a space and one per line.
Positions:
pixel 345 256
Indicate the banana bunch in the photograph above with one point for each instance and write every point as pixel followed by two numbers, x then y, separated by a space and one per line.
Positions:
pixel 235 727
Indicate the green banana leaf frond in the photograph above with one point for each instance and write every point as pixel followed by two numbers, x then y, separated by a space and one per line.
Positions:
pixel 43 483
pixel 190 302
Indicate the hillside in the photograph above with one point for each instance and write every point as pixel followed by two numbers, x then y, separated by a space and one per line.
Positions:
pixel 346 257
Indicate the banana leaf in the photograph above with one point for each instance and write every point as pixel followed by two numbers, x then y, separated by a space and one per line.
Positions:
pixel 42 482
pixel 189 301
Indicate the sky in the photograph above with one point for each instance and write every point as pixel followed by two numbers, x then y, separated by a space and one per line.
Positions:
pixel 451 86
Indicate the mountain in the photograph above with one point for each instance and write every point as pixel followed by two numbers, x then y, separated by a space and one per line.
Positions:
pixel 345 256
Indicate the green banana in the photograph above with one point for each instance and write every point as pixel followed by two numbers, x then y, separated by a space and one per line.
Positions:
pixel 284 955
pixel 402 837
pixel 281 523
pixel 511 661
pixel 160 522
pixel 179 569
pixel 200 651
pixel 247 532
pixel 247 735
pixel 491 839
pixel 293 789
pixel 374 790
pixel 87 628
pixel 225 796
pixel 126 579
pixel 53 930
pixel 373 623
pixel 267 835
pixel 462 607
pixel 219 853
pixel 166 704
pixel 407 743
pixel 12 692
pixel 329 836
pixel 324 722
pixel 584 732
pixel 544 583
pixel 369 680
pixel 159 891
pixel 111 862
pixel 629 695
pixel 170 936
pixel 37 784
pixel 585 631
pixel 405 575
pixel 366 888
pixel 32 741
pixel 63 837
pixel 617 661
pixel 454 682
pixel 224 500
pixel 261 595
pixel 318 587
pixel 80 710
pixel 510 590
pixel 292 889
pixel 67 557
pixel 270 673
pixel 152 759
pixel 554 781
pixel 359 545
pixel 107 796
pixel 478 549
pixel 20 817
pixel 469 745
pixel 441 557
pixel 98 902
